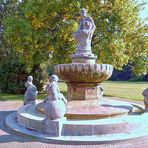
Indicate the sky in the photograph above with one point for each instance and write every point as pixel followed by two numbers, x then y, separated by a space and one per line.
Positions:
pixel 144 12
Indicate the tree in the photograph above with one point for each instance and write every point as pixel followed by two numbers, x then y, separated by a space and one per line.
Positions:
pixel 43 29
pixel 13 69
pixel 12 76
pixel 124 75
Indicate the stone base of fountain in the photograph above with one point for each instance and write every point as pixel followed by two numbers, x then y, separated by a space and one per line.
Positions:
pixel 96 109
pixel 84 79
pixel 83 91
pixel 124 122
pixel 92 109
pixel 84 58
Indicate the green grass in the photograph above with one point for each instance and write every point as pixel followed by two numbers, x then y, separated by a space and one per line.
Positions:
pixel 5 97
pixel 14 97
pixel 122 89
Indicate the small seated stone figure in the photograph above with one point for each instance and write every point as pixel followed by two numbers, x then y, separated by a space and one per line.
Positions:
pixel 145 94
pixel 55 104
pixel 101 92
pixel 31 92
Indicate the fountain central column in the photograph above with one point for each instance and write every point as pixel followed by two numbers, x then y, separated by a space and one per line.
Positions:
pixel 83 76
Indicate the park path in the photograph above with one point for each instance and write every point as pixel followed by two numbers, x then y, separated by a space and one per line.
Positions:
pixel 11 139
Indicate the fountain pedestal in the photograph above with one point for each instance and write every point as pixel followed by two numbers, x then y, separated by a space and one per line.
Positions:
pixel 83 91
pixel 83 79
pixel 84 88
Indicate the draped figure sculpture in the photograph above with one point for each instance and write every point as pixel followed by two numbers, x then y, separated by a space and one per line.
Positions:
pixel 83 35
pixel 145 94
pixel 31 92
pixel 55 106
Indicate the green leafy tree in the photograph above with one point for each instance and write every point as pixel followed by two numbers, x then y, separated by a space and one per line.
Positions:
pixel 13 69
pixel 12 76
pixel 42 29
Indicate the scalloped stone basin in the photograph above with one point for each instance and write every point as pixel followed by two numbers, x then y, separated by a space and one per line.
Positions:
pixel 84 72
pixel 83 79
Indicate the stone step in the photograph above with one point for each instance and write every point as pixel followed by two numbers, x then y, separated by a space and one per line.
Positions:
pixel 30 118
pixel 139 134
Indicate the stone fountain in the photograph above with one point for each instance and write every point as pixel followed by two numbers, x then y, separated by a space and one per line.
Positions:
pixel 85 116
pixel 84 76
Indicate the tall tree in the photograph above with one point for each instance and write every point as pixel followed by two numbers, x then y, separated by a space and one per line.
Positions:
pixel 13 69
pixel 43 29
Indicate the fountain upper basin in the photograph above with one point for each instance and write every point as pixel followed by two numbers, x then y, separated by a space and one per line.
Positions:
pixel 84 72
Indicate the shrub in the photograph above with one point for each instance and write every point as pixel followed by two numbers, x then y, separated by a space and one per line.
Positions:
pixel 12 76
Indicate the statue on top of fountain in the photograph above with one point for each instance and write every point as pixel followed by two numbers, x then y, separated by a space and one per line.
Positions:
pixel 83 35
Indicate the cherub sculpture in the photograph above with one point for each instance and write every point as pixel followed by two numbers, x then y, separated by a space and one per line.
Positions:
pixel 55 106
pixel 31 92
pixel 145 94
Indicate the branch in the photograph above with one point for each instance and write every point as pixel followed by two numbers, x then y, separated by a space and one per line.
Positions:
pixel 97 42
pixel 95 35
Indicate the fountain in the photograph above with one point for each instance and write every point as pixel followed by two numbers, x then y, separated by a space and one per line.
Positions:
pixel 85 116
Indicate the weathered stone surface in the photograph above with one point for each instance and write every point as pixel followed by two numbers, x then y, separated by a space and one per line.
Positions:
pixel 84 59
pixel 53 127
pixel 55 104
pixel 31 92
pixel 145 94
pixel 83 37
pixel 83 91
pixel 76 128
pixel 137 138
pixel 96 109
pixel 93 109
pixel 55 109
pixel 63 127
pixel 40 107
pixel 83 79
pixel 84 72
pixel 27 116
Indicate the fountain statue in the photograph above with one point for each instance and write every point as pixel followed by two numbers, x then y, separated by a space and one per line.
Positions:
pixel 55 107
pixel 85 116
pixel 83 37
pixel 84 76
pixel 31 92
pixel 145 94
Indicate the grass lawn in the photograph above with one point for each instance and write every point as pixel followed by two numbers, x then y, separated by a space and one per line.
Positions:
pixel 127 90
pixel 14 97
pixel 122 89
